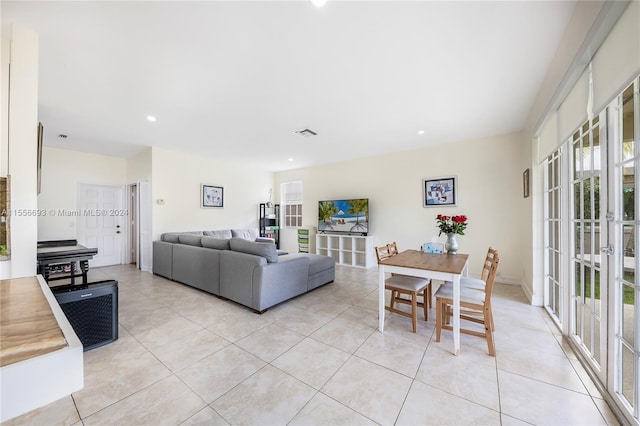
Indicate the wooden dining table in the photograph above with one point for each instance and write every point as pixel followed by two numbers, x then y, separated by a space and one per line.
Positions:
pixel 445 267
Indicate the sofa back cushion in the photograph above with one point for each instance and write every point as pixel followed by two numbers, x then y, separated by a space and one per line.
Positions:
pixel 248 234
pixel 266 250
pixel 215 243
pixel 171 238
pixel 192 240
pixel 174 237
pixel 222 233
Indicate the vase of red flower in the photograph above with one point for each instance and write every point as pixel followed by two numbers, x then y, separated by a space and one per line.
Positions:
pixel 452 226
pixel 451 244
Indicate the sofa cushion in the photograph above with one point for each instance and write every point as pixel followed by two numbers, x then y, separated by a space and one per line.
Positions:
pixel 318 263
pixel 215 243
pixel 171 238
pixel 222 233
pixel 192 240
pixel 266 250
pixel 248 234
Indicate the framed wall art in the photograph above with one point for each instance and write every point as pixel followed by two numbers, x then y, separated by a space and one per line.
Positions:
pixel 212 196
pixel 439 192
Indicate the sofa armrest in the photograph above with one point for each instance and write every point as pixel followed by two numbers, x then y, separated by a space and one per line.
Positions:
pixel 265 240
pixel 277 282
pixel 163 259
pixel 236 275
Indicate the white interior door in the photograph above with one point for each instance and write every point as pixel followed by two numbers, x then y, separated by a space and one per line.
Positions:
pixel 101 224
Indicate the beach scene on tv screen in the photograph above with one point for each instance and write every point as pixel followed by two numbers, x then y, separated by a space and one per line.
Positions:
pixel 344 215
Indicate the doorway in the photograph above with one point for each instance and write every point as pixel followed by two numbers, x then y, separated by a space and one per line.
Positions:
pixel 101 223
pixel 598 307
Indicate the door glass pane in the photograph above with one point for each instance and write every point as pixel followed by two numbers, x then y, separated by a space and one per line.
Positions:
pixel 577 205
pixel 628 191
pixel 628 300
pixel 586 193
pixel 627 374
pixel 596 197
pixel 578 279
pixel 596 286
pixel 596 338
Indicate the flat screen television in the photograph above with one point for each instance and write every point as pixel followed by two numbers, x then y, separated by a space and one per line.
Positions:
pixel 344 216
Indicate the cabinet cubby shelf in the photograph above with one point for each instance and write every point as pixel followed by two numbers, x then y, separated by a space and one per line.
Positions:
pixel 348 250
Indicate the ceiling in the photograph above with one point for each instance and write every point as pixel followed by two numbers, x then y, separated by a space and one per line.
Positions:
pixel 234 80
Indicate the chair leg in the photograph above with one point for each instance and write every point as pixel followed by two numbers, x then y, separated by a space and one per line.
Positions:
pixel 488 331
pixel 414 310
pixel 425 303
pixel 438 319
pixel 430 295
pixel 393 299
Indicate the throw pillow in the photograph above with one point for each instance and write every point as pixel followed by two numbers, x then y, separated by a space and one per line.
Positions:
pixel 266 250
pixel 215 243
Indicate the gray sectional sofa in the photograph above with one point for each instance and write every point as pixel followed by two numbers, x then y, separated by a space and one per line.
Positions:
pixel 238 265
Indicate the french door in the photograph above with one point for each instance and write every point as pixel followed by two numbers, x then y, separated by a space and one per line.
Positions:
pixel 598 306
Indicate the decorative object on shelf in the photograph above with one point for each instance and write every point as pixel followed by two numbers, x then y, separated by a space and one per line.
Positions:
pixel 525 183
pixel 440 192
pixel 212 196
pixel 270 203
pixel 451 225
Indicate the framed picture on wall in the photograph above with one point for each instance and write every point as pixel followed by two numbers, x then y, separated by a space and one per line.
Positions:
pixel 212 196
pixel 439 192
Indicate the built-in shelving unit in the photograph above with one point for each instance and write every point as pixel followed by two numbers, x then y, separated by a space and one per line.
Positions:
pixel 269 222
pixel 349 250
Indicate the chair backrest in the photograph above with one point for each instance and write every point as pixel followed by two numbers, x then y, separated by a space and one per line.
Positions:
pixel 382 253
pixel 491 277
pixel 386 251
pixel 488 262
pixel 393 248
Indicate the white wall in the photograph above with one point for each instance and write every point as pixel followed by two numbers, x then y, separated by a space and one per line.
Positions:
pixel 62 171
pixel 176 178
pixel 139 167
pixel 489 175
pixel 22 151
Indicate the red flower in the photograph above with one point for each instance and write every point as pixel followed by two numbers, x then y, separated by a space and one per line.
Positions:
pixel 452 224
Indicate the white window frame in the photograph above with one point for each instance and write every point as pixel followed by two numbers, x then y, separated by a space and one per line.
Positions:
pixel 291 204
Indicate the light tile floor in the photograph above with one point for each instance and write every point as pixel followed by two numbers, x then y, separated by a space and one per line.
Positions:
pixel 187 357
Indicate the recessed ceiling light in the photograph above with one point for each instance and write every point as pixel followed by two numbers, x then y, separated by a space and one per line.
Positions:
pixel 290 159
pixel 151 118
pixel 421 132
pixel 318 3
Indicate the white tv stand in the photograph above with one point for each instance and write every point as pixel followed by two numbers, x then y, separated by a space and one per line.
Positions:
pixel 349 250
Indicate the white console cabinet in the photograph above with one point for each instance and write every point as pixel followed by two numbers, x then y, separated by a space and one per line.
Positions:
pixel 349 250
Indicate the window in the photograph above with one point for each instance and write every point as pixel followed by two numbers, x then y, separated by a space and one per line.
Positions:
pixel 291 196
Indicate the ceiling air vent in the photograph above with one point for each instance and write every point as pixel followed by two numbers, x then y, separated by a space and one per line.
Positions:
pixel 305 133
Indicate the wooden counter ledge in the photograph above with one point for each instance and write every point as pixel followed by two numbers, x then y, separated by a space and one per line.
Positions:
pixel 28 327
